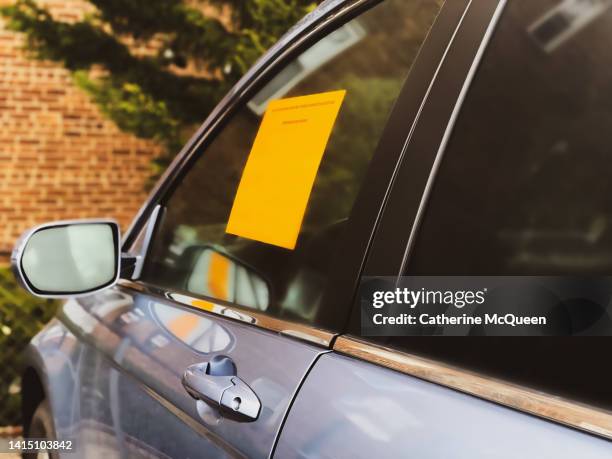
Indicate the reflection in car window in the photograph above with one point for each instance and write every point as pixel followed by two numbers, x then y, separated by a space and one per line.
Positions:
pixel 369 58
pixel 199 333
pixel 524 185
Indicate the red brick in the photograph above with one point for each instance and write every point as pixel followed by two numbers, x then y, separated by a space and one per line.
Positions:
pixel 60 158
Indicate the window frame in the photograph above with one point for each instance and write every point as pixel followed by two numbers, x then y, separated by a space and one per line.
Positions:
pixel 337 301
pixel 417 170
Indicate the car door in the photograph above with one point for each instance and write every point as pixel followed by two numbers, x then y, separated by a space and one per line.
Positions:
pixel 511 182
pixel 252 302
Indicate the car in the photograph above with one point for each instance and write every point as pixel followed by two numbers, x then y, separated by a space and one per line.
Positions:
pixel 377 138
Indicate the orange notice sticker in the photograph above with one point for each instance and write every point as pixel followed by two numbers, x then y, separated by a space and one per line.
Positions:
pixel 277 180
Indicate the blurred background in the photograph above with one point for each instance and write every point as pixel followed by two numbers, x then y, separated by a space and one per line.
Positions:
pixel 96 97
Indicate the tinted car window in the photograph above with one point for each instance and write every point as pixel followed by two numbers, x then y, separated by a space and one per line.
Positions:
pixel 524 189
pixel 524 186
pixel 369 57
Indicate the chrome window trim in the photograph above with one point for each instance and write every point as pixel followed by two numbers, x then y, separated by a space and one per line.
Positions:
pixel 560 410
pixel 303 332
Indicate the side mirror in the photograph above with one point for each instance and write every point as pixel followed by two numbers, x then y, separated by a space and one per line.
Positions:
pixel 68 258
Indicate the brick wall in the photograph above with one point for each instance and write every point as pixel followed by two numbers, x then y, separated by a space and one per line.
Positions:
pixel 60 158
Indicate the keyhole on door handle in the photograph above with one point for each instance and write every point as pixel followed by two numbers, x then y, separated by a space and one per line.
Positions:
pixel 236 403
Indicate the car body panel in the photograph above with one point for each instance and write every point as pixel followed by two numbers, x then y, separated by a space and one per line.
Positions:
pixel 348 408
pixel 126 352
pixel 54 354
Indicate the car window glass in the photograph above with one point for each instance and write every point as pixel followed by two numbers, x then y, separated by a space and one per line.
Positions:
pixel 523 189
pixel 368 58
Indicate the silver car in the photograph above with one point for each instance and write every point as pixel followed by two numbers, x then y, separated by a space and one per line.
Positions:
pixel 377 138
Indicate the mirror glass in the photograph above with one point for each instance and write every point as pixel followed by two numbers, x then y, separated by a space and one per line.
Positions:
pixel 222 276
pixel 71 258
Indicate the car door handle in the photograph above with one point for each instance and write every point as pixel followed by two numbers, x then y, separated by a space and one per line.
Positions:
pixel 216 383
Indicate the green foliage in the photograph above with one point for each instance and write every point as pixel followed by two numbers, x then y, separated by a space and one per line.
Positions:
pixel 149 95
pixel 261 23
pixel 21 317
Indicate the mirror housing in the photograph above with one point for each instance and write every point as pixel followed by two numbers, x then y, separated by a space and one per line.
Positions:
pixel 68 258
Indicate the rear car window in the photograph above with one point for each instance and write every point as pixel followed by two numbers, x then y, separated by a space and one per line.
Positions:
pixel 524 189
pixel 257 220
